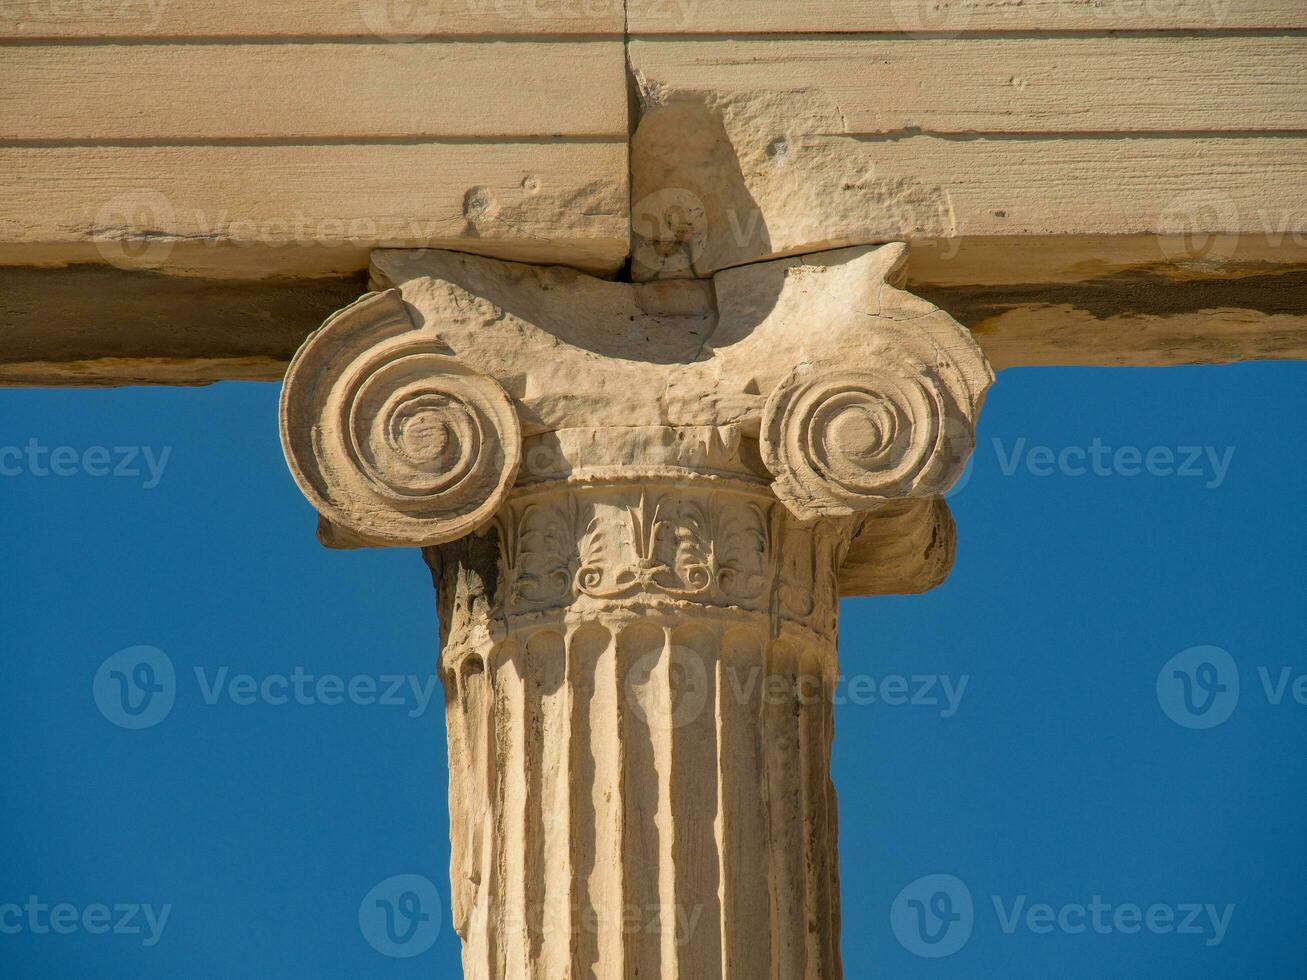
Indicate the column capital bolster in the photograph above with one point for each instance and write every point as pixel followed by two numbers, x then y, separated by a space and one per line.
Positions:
pixel 411 417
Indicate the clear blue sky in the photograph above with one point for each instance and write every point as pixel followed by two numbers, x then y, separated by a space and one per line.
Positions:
pixel 1062 777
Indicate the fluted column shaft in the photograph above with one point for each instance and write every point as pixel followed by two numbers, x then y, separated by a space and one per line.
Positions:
pixel 638 699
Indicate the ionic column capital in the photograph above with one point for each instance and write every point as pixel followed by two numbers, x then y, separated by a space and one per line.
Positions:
pixel 411 417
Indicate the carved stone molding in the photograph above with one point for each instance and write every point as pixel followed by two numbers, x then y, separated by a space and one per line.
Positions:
pixel 389 436
pixel 843 390
pixel 641 505
pixel 842 441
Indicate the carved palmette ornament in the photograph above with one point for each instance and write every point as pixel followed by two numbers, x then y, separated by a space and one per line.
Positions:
pixel 389 437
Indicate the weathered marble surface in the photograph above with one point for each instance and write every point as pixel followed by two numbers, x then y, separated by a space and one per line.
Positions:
pixel 641 504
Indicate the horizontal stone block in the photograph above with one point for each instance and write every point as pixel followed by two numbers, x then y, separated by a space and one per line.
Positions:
pixel 306 18
pixel 257 211
pixel 311 91
pixel 958 16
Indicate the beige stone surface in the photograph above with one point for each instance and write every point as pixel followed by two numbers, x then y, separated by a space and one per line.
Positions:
pixel 739 359
pixel 1017 147
pixel 227 211
pixel 639 683
pixel 1186 255
pixel 162 329
pixel 1135 319
pixel 1026 306
pixel 905 547
pixel 294 155
pixel 292 19
pixel 876 86
pixel 951 17
pixel 723 177
pixel 641 504
pixel 178 91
